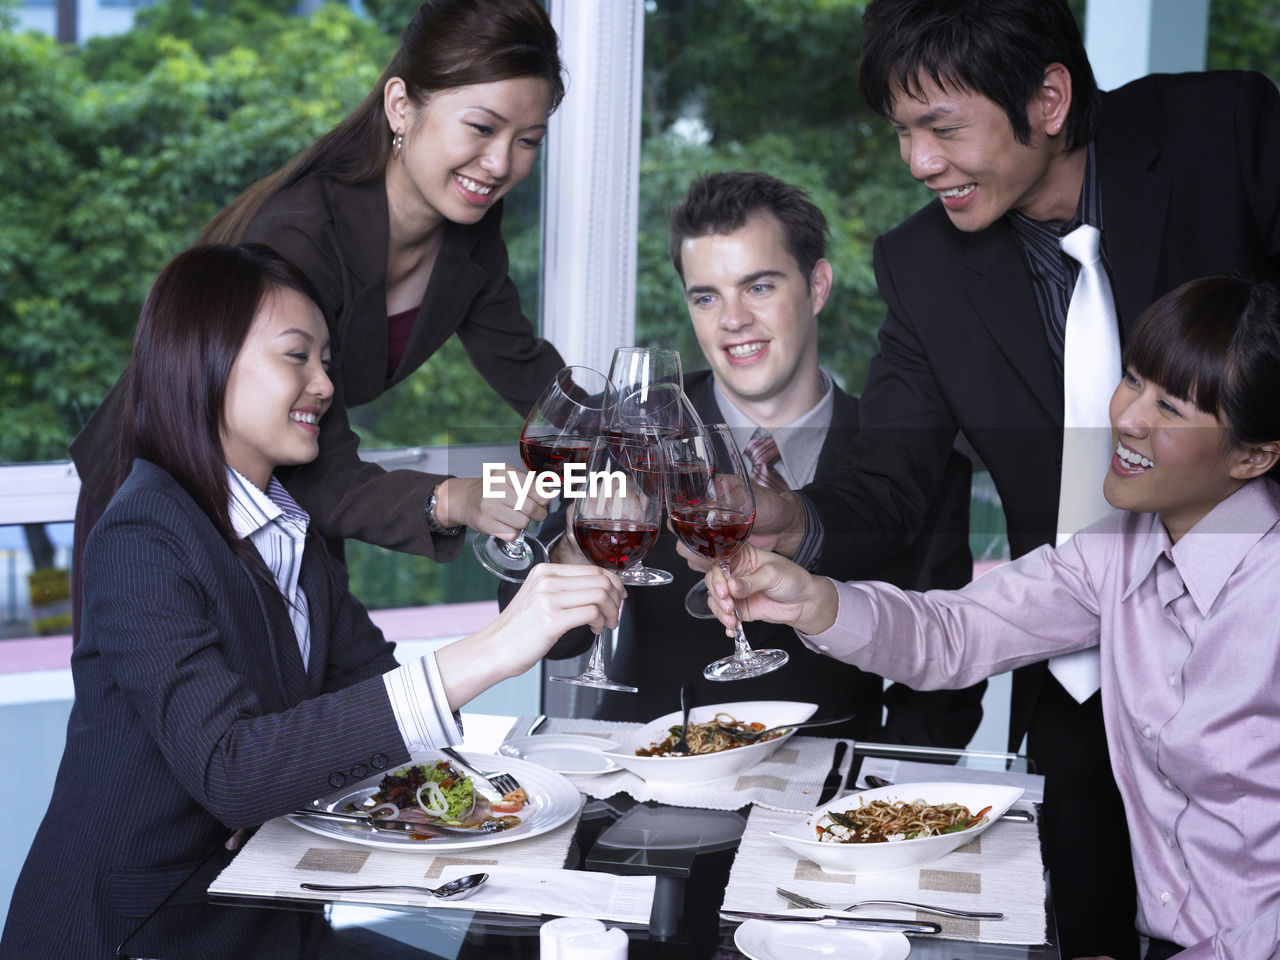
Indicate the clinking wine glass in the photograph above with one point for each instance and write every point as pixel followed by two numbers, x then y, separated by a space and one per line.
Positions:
pixel 712 507
pixel 557 432
pixel 615 524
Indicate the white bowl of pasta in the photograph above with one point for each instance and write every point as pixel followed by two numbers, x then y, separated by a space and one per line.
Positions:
pixel 713 756
pixel 880 830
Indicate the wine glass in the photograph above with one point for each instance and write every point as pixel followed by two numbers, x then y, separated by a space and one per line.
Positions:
pixel 615 524
pixel 712 507
pixel 557 432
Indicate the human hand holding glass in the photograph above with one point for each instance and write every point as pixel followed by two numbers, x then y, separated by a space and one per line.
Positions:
pixel 614 525
pixel 557 432
pixel 712 507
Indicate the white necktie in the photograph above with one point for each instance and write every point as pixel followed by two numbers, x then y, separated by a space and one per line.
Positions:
pixel 1091 370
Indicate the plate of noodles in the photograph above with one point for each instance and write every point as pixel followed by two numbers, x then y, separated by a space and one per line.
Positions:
pixel 713 755
pixel 899 826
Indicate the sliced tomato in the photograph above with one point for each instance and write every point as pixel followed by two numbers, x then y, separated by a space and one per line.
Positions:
pixel 505 806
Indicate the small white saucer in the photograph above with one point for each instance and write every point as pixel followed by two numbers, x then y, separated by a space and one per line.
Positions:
pixel 567 753
pixel 762 940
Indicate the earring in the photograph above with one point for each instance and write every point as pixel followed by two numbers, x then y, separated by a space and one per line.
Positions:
pixel 396 143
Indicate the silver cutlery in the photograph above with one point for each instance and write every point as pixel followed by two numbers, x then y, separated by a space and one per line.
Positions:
pixel 390 826
pixel 800 900
pixel 453 890
pixel 686 704
pixel 751 736
pixel 848 923
pixel 1014 816
pixel 538 721
pixel 503 783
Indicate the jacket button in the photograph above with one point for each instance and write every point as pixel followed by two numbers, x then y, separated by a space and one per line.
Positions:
pixel 337 779
pixel 359 771
pixel 378 760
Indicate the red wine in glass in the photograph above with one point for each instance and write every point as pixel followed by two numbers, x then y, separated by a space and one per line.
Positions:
pixel 709 499
pixel 615 544
pixel 553 453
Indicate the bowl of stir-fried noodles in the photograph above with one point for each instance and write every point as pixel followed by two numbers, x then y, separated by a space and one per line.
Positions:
pixel 896 827
pixel 712 754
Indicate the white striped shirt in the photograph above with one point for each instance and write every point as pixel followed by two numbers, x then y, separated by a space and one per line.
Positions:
pixel 277 527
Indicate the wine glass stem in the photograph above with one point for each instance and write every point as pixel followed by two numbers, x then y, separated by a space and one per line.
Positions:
pixel 514 548
pixel 595 666
pixel 741 649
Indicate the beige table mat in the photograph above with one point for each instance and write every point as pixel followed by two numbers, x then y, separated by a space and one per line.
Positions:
pixel 1000 870
pixel 789 779
pixel 526 876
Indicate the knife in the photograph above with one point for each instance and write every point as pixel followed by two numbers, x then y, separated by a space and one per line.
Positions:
pixel 844 923
pixel 833 781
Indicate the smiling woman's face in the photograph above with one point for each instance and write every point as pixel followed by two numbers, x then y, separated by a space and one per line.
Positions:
pixel 1169 457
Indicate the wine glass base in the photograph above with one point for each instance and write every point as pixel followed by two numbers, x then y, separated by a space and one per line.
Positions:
pixel 695 602
pixel 493 556
pixel 760 661
pixel 600 683
pixel 645 577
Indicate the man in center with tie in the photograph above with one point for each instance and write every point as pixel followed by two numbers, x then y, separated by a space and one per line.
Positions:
pixel 750 252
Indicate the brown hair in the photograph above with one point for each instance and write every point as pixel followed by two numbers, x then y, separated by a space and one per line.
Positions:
pixel 1215 342
pixel 447 44
pixel 193 324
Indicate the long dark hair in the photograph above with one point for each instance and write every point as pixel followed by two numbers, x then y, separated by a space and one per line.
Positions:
pixel 447 44
pixel 998 48
pixel 193 324
pixel 1215 342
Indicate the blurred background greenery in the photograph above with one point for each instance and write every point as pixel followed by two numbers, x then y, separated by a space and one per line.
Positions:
pixel 115 153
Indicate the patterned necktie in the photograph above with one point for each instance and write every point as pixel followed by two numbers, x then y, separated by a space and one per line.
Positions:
pixel 1090 372
pixel 763 453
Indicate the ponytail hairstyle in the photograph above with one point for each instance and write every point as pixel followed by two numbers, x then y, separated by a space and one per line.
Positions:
pixel 193 324
pixel 1215 342
pixel 447 44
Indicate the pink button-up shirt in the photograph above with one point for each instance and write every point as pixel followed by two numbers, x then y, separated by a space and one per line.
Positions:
pixel 1189 636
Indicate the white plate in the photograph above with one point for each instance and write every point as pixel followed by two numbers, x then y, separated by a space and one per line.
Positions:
pixel 566 753
pixel 898 854
pixel 763 940
pixel 553 800
pixel 703 768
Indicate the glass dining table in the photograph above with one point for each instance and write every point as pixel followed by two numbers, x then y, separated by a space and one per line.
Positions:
pixel 614 835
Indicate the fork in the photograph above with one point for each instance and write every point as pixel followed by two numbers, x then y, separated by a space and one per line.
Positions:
pixel 799 900
pixel 503 783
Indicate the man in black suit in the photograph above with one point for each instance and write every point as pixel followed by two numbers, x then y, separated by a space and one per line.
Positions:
pixel 750 251
pixel 997 112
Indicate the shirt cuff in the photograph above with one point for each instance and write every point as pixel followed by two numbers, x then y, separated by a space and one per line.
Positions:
pixel 852 628
pixel 420 706
pixel 809 552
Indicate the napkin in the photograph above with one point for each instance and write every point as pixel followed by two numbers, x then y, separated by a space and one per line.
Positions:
pixel 999 870
pixel 525 876
pixel 790 779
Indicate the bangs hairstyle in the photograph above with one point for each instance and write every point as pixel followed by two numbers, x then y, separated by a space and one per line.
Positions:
pixel 1215 342
pixel 723 202
pixel 193 324
pixel 996 48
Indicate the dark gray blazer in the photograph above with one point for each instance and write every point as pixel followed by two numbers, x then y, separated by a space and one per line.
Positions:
pixel 193 716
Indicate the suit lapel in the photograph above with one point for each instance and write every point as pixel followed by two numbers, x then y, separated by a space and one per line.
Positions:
pixel 1135 203
pixel 290 676
pixel 1002 297
pixel 314 579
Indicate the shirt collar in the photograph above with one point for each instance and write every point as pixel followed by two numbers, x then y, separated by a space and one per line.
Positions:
pixel 785 436
pixel 251 509
pixel 1211 551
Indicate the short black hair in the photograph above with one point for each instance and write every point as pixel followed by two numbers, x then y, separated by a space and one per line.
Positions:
pixel 1215 342
pixel 724 202
pixel 997 48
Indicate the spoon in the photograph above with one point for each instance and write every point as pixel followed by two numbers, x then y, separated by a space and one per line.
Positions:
pixel 1017 816
pixel 751 736
pixel 686 704
pixel 453 890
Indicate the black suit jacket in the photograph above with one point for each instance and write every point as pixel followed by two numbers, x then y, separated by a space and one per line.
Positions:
pixel 1189 167
pixel 662 646
pixel 193 716
pixel 336 234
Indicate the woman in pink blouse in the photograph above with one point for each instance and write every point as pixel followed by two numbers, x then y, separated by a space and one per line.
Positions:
pixel 1178 592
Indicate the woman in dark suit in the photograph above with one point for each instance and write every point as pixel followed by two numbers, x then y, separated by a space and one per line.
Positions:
pixel 395 217
pixel 225 673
